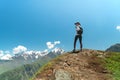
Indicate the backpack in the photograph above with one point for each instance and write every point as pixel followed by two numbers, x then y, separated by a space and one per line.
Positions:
pixel 80 31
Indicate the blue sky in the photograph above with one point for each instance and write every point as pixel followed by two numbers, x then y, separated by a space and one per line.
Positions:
pixel 32 23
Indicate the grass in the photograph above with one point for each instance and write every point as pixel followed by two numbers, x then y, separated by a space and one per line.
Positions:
pixel 112 64
pixel 46 66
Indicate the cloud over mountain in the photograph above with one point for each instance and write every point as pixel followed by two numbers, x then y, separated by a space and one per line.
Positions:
pixel 22 50
pixel 6 57
pixel 19 49
pixel 51 45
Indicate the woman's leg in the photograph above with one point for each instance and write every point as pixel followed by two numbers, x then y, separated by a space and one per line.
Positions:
pixel 80 40
pixel 75 40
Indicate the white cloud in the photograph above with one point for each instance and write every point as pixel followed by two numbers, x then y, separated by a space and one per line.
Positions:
pixel 51 45
pixel 1 53
pixel 19 49
pixel 6 57
pixel 57 42
pixel 118 28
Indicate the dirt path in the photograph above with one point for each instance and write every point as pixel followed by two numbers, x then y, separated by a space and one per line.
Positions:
pixel 84 65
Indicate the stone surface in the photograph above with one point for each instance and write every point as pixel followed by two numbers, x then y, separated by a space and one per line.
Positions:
pixel 62 75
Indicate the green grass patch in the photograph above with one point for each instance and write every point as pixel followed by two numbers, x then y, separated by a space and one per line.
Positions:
pixel 112 63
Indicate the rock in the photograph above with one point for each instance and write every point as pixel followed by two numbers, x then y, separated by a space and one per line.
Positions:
pixel 62 75
pixel 49 73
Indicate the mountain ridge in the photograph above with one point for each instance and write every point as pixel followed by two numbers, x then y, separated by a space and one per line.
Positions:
pixel 114 48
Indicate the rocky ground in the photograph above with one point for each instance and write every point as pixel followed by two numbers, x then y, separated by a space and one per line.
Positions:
pixel 85 65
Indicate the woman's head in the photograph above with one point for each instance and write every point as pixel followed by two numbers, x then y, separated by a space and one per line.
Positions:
pixel 77 24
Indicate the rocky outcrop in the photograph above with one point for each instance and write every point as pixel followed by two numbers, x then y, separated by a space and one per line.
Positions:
pixel 62 75
pixel 85 65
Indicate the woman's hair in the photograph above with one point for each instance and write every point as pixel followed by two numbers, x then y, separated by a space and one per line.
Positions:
pixel 78 23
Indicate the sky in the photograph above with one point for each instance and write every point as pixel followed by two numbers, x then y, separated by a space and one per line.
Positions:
pixel 35 23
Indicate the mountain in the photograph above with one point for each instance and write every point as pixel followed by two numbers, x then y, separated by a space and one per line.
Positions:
pixel 31 56
pixel 56 52
pixel 34 55
pixel 21 73
pixel 28 63
pixel 114 48
pixel 85 65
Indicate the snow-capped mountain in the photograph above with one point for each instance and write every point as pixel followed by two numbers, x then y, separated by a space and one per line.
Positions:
pixel 30 56
pixel 34 55
pixel 58 51
pixel 55 52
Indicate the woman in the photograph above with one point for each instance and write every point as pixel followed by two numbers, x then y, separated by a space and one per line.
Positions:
pixel 79 31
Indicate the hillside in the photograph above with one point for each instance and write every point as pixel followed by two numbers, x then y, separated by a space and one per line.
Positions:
pixel 114 48
pixel 24 69
pixel 86 65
